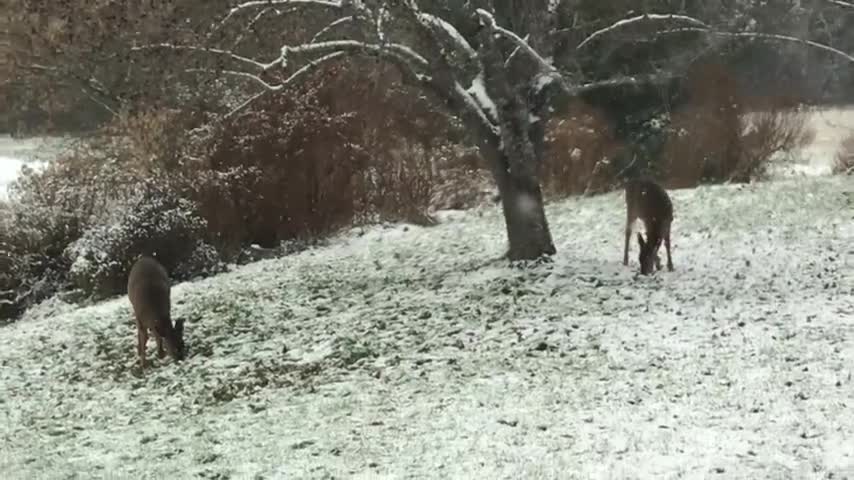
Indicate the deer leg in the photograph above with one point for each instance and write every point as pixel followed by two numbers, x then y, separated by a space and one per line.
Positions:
pixel 667 247
pixel 160 352
pixel 628 237
pixel 141 340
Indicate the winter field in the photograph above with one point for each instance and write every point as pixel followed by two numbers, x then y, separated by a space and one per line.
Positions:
pixel 405 352
pixel 16 153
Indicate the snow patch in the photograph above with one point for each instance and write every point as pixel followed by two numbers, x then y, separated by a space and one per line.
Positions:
pixel 478 91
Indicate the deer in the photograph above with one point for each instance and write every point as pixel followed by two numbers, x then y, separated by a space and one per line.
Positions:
pixel 648 201
pixel 148 291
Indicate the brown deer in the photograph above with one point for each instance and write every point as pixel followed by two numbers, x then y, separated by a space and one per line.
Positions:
pixel 648 201
pixel 148 290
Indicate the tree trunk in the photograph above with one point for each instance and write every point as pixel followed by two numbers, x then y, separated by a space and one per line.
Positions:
pixel 528 234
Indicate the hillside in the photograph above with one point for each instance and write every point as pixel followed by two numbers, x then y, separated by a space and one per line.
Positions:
pixel 405 352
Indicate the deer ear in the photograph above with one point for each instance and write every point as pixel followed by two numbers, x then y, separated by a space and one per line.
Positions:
pixel 641 242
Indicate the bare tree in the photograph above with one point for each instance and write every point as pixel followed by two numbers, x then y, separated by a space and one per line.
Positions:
pixel 492 62
pixel 489 61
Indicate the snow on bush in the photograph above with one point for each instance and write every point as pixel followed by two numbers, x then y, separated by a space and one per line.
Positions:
pixel 156 223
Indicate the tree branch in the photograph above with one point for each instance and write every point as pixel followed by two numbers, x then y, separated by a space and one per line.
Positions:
pixel 330 27
pixel 272 3
pixel 766 37
pixel 489 21
pixel 239 74
pixel 640 18
pixel 401 51
pixel 216 51
pixel 841 3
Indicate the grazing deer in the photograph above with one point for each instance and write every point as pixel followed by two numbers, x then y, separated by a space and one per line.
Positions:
pixel 148 290
pixel 647 200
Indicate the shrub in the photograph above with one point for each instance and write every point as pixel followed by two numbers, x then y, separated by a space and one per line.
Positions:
pixel 703 145
pixel 844 164
pixel 461 179
pixel 196 189
pixel 716 138
pixel 769 131
pixel 52 209
pixel 397 186
pixel 157 222
pixel 282 169
pixel 580 152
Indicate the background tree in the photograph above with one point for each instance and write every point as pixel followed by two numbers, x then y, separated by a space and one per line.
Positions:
pixel 502 67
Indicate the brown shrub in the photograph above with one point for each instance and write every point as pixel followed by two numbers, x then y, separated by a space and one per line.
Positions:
pixel 397 186
pixel 462 179
pixel 704 143
pixel 294 165
pixel 403 134
pixel 716 137
pixel 769 131
pixel 844 164
pixel 580 149
pixel 282 170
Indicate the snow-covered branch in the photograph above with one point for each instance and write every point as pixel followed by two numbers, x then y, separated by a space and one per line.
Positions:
pixel 401 51
pixel 489 21
pixel 332 25
pixel 238 74
pixel 434 22
pixel 292 79
pixel 841 3
pixel 479 105
pixel 766 37
pixel 274 3
pixel 215 51
pixel 641 18
pixel 249 26
pixel 634 80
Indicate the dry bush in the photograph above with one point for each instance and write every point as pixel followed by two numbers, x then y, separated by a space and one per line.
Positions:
pixel 462 179
pixel 404 135
pixel 704 142
pixel 580 150
pixel 283 169
pixel 844 164
pixel 721 136
pixel 769 131
pixel 293 165
pixel 397 186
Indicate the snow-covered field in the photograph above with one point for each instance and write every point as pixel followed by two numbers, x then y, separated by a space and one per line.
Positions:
pixel 412 353
pixel 15 153
pixel 831 126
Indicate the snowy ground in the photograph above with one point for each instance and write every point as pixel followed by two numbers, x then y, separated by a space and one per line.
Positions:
pixel 14 153
pixel 831 126
pixel 411 353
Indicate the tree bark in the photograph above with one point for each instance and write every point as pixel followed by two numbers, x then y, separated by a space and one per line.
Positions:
pixel 528 234
pixel 514 156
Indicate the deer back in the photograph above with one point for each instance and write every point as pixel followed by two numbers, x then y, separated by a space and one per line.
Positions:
pixel 149 292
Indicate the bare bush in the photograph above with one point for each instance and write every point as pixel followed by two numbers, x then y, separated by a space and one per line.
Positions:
pixel 281 170
pixel 462 180
pixel 579 158
pixel 844 163
pixel 718 138
pixel 397 187
pixel 704 142
pixel 768 132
